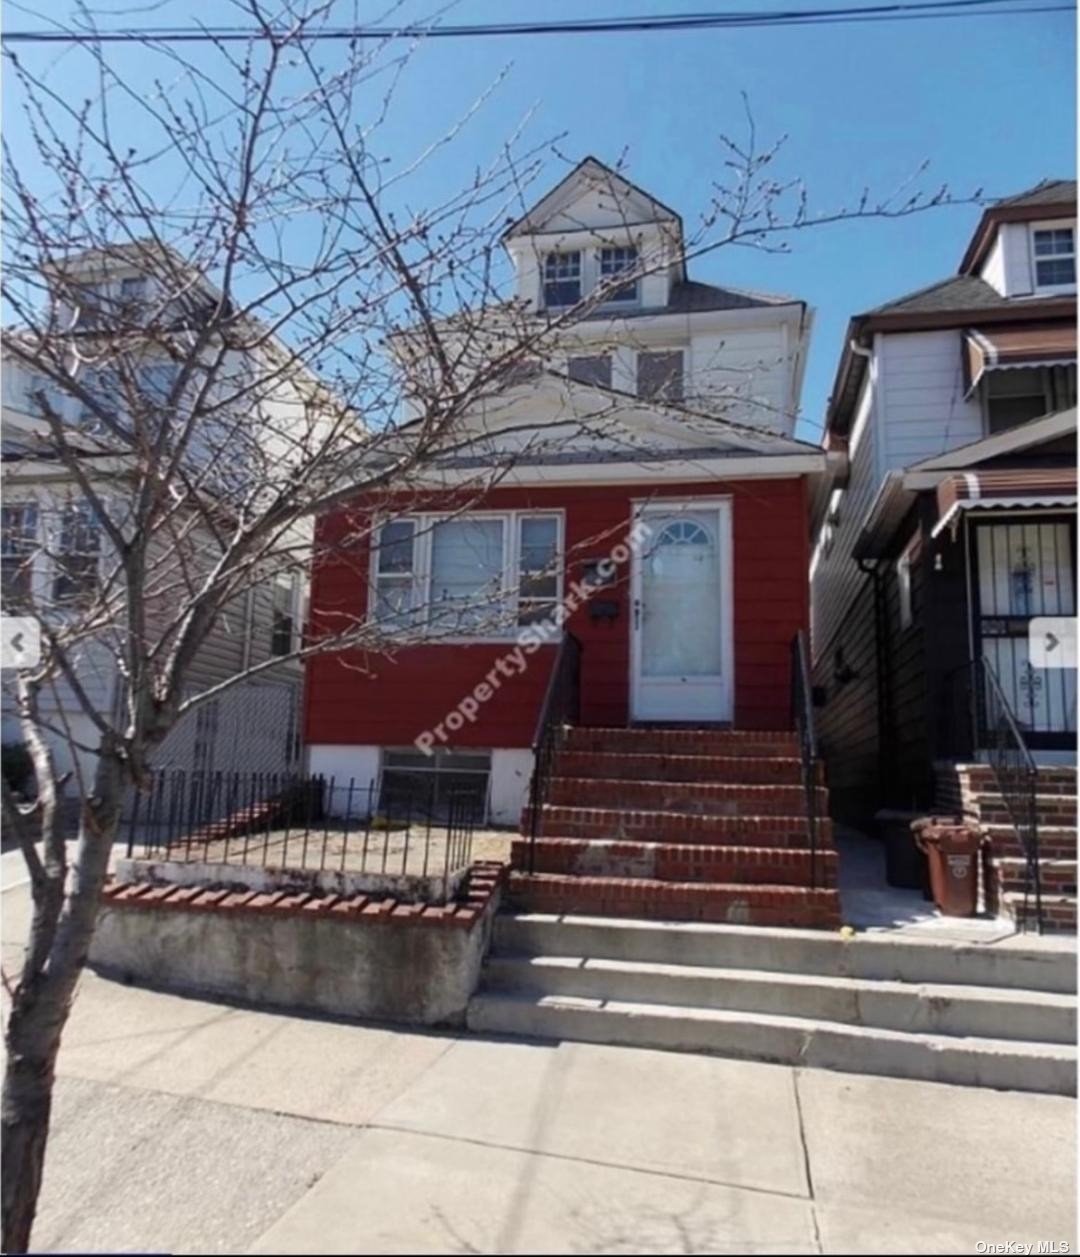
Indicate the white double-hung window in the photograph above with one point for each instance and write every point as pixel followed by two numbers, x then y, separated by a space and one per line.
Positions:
pixel 480 574
pixel 1054 250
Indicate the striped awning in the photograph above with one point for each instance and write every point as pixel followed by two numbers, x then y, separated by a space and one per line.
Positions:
pixel 1012 345
pixel 1008 489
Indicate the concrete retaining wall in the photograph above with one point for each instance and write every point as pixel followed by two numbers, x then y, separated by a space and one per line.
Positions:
pixel 397 964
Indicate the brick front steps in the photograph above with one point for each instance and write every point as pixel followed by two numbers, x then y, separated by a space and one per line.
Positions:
pixel 652 899
pixel 678 824
pixel 674 862
pixel 973 790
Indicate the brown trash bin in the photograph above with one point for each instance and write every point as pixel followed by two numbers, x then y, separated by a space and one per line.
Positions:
pixel 952 850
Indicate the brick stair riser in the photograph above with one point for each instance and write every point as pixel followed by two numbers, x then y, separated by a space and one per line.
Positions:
pixel 713 769
pixel 1056 918
pixel 1051 846
pixel 763 831
pixel 695 798
pixel 984 779
pixel 1053 881
pixel 681 742
pixel 677 863
pixel 1053 812
pixel 677 901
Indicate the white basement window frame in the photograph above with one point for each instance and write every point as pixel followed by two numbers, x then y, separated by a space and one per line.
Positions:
pixel 401 576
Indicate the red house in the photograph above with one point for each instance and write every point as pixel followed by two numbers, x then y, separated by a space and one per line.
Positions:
pixel 641 563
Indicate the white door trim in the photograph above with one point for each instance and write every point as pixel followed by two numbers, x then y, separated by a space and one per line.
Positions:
pixel 642 507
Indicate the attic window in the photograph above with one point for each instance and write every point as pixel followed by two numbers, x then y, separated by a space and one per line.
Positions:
pixel 1055 257
pixel 562 279
pixel 614 262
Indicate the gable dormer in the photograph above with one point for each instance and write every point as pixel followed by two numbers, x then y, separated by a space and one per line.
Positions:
pixel 591 227
pixel 1025 245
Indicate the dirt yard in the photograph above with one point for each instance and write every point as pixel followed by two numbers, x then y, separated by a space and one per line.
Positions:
pixel 416 850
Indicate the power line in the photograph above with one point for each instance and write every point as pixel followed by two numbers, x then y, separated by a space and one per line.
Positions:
pixel 899 10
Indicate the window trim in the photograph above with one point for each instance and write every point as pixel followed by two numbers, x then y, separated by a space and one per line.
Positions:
pixel 634 297
pixel 425 522
pixel 582 256
pixel 28 538
pixel 80 599
pixel 1033 260
pixel 985 399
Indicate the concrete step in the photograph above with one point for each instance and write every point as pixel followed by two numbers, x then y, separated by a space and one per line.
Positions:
pixel 922 1008
pixel 624 765
pixel 763 904
pixel 782 1039
pixel 653 825
pixel 1017 963
pixel 689 741
pixel 696 798
pixel 1056 842
pixel 674 862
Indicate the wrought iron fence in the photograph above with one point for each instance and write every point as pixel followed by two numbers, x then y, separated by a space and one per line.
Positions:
pixel 294 821
pixel 561 707
pixel 802 710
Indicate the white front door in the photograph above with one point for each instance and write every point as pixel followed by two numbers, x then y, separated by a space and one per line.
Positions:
pixel 681 643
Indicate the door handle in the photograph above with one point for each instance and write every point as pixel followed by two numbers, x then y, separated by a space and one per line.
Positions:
pixel 637 613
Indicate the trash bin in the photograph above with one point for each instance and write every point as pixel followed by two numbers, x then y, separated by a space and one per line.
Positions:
pixel 952 850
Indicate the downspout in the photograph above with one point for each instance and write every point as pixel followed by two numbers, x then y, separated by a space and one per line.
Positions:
pixel 871 568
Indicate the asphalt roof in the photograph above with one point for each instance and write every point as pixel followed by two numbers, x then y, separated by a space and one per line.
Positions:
pixel 958 292
pixel 1049 192
pixel 690 297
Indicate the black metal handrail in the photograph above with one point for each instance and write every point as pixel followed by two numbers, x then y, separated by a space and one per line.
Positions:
pixel 802 711
pixel 560 708
pixel 1015 772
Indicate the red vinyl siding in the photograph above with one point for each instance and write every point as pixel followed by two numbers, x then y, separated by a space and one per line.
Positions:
pixel 389 701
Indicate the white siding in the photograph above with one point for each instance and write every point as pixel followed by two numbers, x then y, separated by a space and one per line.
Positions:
pixel 993 269
pixel 922 410
pixel 745 375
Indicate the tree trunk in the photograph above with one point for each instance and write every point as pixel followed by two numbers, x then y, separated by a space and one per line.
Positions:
pixel 40 1010
pixel 27 1103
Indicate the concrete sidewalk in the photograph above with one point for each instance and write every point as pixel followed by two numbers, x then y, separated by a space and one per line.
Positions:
pixel 188 1126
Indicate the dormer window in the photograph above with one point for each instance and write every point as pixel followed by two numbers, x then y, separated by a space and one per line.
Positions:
pixel 619 261
pixel 1055 257
pixel 562 279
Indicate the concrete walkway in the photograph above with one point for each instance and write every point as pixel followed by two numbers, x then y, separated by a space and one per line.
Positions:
pixel 188 1126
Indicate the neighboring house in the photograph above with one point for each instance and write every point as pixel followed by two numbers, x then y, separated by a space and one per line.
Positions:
pixel 55 552
pixel 955 525
pixel 671 403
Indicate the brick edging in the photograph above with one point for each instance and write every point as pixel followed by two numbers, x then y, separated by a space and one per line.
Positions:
pixel 482 882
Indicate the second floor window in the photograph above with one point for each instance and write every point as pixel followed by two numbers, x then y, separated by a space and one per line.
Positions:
pixel 660 375
pixel 18 542
pixel 78 553
pixel 562 279
pixel 590 369
pixel 1055 257
pixel 283 616
pixel 615 262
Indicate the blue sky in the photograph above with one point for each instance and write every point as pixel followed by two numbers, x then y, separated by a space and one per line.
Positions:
pixel 988 101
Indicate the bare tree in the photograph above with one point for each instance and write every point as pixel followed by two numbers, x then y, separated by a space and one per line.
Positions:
pixel 229 322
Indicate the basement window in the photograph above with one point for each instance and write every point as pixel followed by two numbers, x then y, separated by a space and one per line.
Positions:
pixel 418 785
